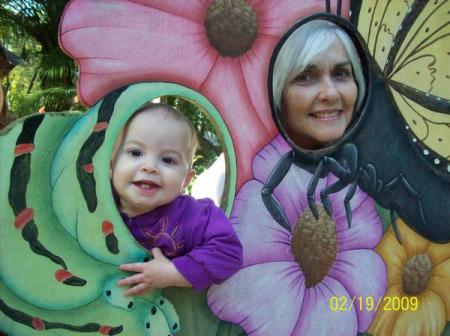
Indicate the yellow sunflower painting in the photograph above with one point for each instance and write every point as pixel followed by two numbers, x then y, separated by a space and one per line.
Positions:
pixel 419 280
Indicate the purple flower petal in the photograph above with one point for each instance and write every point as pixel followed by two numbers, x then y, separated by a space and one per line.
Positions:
pixel 361 285
pixel 263 299
pixel 264 162
pixel 263 239
pixel 366 230
pixel 318 319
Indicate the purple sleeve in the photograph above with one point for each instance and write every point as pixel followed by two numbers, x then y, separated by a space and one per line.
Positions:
pixel 217 253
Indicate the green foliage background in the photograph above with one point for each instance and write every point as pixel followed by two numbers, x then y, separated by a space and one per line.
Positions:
pixel 47 78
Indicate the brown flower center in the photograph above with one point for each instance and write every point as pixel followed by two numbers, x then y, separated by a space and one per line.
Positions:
pixel 314 245
pixel 231 26
pixel 416 274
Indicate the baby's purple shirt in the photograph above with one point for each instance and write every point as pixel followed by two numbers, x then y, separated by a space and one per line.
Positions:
pixel 195 234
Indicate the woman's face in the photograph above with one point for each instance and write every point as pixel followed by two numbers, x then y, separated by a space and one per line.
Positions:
pixel 317 105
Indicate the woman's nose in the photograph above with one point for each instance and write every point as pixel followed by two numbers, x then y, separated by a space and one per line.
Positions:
pixel 328 90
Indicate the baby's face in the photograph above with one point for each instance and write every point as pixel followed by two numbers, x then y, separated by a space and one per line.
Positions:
pixel 152 165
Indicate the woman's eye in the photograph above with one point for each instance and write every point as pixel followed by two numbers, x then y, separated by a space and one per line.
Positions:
pixel 169 160
pixel 343 74
pixel 304 77
pixel 135 152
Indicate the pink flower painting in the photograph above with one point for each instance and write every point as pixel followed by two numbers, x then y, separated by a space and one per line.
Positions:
pixel 219 48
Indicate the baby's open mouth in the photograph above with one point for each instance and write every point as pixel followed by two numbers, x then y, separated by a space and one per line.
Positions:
pixel 147 185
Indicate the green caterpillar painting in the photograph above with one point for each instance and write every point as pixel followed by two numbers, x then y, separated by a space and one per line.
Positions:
pixel 62 237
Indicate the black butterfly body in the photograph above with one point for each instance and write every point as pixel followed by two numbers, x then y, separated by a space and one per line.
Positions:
pixel 377 153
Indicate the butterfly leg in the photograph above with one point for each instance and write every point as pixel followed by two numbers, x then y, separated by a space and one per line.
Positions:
pixel 345 168
pixel 275 178
pixel 404 182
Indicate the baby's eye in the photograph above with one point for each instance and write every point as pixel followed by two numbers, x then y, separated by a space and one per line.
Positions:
pixel 135 152
pixel 169 160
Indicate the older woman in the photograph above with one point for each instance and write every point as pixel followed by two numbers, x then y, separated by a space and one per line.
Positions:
pixel 317 83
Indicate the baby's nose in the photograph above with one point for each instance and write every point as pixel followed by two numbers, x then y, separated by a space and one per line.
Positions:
pixel 150 166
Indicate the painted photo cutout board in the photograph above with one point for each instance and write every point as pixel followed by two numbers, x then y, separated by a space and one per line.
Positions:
pixel 62 237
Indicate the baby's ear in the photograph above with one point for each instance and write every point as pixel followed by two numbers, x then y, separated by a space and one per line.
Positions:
pixel 189 176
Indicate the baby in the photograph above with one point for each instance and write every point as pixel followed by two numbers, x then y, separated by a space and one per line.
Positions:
pixel 192 241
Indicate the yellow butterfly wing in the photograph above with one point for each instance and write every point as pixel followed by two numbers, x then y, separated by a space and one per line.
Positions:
pixel 410 41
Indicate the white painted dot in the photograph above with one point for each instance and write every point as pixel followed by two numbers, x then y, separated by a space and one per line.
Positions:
pixel 414 140
pixel 438 98
pixel 400 28
pixel 427 94
pixel 448 168
pixel 437 161
pixel 409 10
pixel 407 127
pixel 426 152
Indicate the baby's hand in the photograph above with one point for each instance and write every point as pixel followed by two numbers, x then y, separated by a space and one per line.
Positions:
pixel 159 272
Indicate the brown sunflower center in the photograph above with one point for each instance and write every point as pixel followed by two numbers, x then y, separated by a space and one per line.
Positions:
pixel 231 26
pixel 416 274
pixel 314 245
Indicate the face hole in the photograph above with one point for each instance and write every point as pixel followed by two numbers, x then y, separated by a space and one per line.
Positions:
pixel 211 159
pixel 318 97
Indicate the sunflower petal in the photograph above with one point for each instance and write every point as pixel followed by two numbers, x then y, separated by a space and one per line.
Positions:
pixel 440 284
pixel 438 253
pixel 385 319
pixel 429 319
pixel 412 243
pixel 394 257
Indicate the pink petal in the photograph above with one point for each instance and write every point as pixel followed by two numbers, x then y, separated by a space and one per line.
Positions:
pixel 254 66
pixel 263 239
pixel 263 299
pixel 363 274
pixel 226 88
pixel 113 50
pixel 192 10
pixel 317 318
pixel 275 17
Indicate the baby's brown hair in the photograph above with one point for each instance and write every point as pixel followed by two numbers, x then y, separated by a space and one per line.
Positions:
pixel 176 115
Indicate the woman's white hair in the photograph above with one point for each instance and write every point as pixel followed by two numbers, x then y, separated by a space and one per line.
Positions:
pixel 306 44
